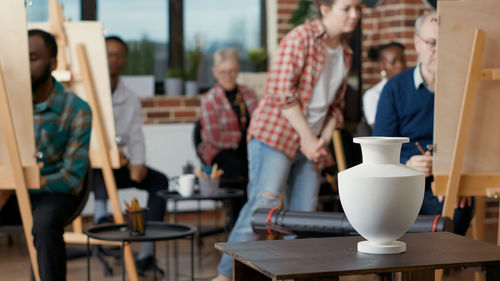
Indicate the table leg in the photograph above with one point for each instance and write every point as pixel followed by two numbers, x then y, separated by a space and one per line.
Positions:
pixel 492 272
pixel 192 257
pixel 176 263
pixel 154 261
pixel 167 265
pixel 123 260
pixel 198 224
pixel 88 258
pixel 242 272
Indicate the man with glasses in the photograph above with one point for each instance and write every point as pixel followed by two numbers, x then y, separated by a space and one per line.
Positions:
pixel 406 109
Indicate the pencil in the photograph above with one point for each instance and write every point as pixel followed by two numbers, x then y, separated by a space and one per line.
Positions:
pixel 214 171
pixel 420 148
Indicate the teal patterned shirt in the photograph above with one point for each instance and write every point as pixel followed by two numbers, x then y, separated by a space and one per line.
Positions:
pixel 62 135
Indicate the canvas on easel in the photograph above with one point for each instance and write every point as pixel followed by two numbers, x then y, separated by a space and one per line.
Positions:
pixel 18 167
pixel 466 135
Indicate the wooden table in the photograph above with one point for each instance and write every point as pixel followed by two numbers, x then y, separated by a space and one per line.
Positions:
pixel 324 259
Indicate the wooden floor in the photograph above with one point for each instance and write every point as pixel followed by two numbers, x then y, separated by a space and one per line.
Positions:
pixel 14 261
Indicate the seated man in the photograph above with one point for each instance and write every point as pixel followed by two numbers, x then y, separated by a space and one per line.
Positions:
pixel 128 126
pixel 406 109
pixel 62 134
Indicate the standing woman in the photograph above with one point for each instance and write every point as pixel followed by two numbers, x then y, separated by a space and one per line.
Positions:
pixel 295 119
pixel 391 61
pixel 225 115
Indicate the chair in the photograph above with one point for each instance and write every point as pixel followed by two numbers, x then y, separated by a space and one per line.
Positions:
pixel 75 218
pixel 197 138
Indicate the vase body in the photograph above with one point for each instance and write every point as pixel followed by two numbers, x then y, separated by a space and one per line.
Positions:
pixel 381 197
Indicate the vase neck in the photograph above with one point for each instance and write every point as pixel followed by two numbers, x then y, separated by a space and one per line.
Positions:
pixel 381 153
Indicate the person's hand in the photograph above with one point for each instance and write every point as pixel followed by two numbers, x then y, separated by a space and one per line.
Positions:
pixel 137 172
pixel 421 163
pixel 462 201
pixel 313 148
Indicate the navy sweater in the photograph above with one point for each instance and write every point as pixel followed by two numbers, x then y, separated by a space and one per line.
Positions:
pixel 404 111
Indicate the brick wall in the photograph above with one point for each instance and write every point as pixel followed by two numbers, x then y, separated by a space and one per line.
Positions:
pixel 391 21
pixel 165 109
pixel 285 10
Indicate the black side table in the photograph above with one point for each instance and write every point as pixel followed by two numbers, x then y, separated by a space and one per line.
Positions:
pixel 226 195
pixel 155 231
pixel 223 194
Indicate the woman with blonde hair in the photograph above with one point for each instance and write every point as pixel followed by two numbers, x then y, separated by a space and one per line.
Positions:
pixel 225 116
pixel 294 121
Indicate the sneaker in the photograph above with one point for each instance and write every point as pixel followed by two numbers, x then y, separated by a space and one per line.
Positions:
pixel 147 265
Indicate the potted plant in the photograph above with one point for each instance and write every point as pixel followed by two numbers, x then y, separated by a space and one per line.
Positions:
pixel 173 82
pixel 194 59
pixel 258 57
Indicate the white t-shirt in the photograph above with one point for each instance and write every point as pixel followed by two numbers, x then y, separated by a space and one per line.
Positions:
pixel 370 101
pixel 326 87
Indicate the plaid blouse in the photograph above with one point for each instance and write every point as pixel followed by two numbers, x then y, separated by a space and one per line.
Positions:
pixel 220 127
pixel 295 70
pixel 62 135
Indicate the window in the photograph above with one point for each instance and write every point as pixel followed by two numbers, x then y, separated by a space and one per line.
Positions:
pixel 222 24
pixel 143 26
pixel 38 10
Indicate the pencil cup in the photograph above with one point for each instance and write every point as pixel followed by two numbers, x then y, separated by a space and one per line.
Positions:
pixel 137 221
pixel 208 186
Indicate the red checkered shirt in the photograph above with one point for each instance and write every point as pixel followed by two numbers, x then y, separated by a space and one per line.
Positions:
pixel 295 70
pixel 220 127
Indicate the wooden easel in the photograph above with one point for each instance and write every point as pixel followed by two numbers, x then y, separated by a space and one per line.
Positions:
pixel 16 176
pixel 18 166
pixel 458 184
pixel 103 151
pixel 465 159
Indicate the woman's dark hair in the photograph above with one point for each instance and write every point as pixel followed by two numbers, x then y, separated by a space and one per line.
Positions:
pixel 318 3
pixel 47 38
pixel 374 52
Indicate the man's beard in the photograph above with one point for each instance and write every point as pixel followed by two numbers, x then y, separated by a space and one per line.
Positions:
pixel 35 83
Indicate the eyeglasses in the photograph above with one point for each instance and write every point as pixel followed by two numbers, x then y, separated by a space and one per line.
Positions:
pixel 430 43
pixel 227 72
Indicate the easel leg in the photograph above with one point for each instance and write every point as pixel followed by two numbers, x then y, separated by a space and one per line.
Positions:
pixel 111 188
pixel 21 188
pixel 107 172
pixel 478 225
pixel 24 203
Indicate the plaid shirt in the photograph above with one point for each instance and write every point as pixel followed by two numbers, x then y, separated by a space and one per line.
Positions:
pixel 62 136
pixel 220 127
pixel 295 70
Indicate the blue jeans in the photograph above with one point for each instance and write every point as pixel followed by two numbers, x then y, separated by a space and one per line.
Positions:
pixel 272 172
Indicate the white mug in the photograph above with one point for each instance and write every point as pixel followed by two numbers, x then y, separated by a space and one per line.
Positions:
pixel 185 186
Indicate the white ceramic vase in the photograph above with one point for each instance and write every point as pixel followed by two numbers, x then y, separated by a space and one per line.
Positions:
pixel 381 197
